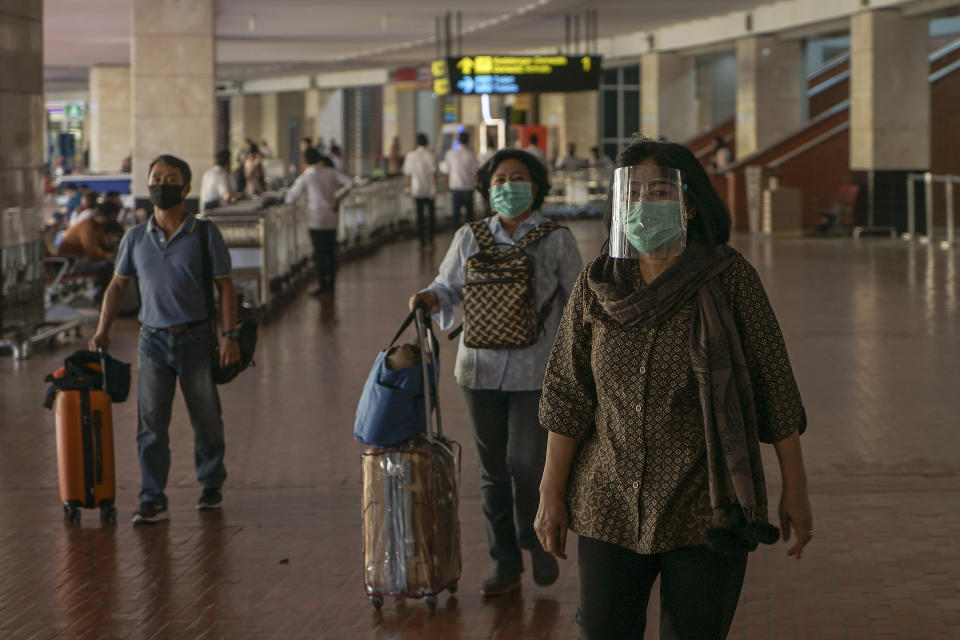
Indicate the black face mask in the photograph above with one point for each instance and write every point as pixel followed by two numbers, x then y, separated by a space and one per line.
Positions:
pixel 166 196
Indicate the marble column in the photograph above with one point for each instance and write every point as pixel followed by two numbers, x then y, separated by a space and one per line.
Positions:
pixel 770 91
pixel 110 117
pixel 889 91
pixel 269 120
pixel 174 101
pixel 569 118
pixel 889 111
pixel 667 96
pixel 22 127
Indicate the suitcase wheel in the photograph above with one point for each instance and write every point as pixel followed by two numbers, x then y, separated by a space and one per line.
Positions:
pixel 432 602
pixel 72 512
pixel 377 602
pixel 108 513
pixel 452 588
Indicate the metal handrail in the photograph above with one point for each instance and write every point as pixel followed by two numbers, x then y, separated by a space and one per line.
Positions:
pixel 928 179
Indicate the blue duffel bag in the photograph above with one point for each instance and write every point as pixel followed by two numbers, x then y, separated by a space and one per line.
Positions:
pixel 392 407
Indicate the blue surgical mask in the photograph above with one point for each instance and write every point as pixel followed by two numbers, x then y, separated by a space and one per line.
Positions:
pixel 653 226
pixel 511 199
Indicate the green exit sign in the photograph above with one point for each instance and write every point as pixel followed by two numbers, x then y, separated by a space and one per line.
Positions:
pixel 74 110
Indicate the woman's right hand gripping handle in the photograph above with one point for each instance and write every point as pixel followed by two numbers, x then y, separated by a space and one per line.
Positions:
pixel 552 518
pixel 428 299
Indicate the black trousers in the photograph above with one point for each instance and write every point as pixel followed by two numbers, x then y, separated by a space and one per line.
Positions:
pixel 426 219
pixel 461 200
pixel 699 590
pixel 511 449
pixel 325 255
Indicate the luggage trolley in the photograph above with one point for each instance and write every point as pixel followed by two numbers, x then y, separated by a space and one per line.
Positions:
pixel 410 504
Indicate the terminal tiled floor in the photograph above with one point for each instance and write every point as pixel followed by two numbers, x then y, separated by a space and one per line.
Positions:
pixel 874 334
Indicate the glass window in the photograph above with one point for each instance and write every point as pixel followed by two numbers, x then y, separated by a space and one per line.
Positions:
pixel 611 105
pixel 619 108
pixel 631 112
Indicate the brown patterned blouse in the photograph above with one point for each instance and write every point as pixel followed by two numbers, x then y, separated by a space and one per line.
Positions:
pixel 639 479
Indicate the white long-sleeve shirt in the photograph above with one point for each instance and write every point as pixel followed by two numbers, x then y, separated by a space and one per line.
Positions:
pixel 320 185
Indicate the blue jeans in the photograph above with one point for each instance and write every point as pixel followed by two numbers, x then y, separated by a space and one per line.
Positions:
pixel 511 449
pixel 163 357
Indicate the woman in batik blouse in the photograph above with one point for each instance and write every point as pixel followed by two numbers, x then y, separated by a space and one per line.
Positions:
pixel 668 371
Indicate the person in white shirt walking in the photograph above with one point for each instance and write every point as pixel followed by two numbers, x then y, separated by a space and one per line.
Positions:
pixel 599 160
pixel 570 162
pixel 320 184
pixel 462 169
pixel 215 189
pixel 420 169
pixel 534 149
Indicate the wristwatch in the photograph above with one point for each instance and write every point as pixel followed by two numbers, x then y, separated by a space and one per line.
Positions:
pixel 233 334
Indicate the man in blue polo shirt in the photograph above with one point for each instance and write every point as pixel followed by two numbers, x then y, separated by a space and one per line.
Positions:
pixel 177 337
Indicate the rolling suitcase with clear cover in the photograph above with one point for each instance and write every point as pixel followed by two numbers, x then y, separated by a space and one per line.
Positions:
pixel 411 530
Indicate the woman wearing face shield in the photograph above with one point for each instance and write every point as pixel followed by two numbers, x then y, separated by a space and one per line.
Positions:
pixel 668 371
pixel 501 358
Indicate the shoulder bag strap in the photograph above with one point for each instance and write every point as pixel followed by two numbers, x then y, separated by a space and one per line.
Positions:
pixel 207 269
pixel 537 234
pixel 481 232
pixel 406 323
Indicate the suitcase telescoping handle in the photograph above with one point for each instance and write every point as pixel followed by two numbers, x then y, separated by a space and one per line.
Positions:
pixel 431 382
pixel 103 366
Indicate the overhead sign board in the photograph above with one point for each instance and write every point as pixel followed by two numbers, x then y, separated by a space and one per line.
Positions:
pixel 469 75
pixel 74 110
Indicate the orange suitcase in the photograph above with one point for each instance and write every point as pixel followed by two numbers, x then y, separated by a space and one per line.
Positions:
pixel 85 452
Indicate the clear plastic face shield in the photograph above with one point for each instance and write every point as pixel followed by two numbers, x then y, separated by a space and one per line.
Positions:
pixel 649 214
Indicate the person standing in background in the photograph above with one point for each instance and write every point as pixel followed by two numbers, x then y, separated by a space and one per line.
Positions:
pixel 570 162
pixel 265 150
pixel 534 150
pixel 320 183
pixel 395 159
pixel 489 153
pixel 253 181
pixel 462 168
pixel 215 189
pixel 336 157
pixel 420 169
pixel 599 160
pixel 721 155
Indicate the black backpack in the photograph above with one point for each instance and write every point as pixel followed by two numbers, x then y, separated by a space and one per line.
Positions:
pixel 499 294
pixel 84 370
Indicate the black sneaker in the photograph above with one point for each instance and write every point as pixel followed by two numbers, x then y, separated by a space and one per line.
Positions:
pixel 500 583
pixel 150 512
pixel 210 499
pixel 546 570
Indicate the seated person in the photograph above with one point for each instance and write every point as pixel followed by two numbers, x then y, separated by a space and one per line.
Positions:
pixel 88 204
pixel 87 240
pixel 93 241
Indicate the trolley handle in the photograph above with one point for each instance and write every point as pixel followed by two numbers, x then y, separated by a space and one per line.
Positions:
pixel 431 382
